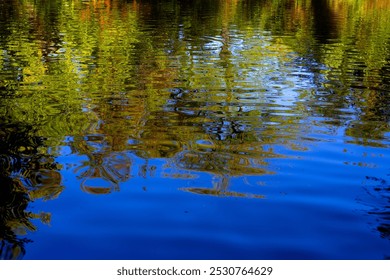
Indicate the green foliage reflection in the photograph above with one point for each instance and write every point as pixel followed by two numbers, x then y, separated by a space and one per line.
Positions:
pixel 212 86
pixel 112 68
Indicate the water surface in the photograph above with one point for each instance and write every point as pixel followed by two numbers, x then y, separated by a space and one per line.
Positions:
pixel 234 129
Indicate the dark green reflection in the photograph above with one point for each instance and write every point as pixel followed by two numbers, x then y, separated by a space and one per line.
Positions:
pixel 210 86
pixel 26 174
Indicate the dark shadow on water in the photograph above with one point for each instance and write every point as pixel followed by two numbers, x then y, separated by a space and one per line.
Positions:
pixel 379 191
pixel 25 176
pixel 325 24
pixel 382 210
pixel 13 204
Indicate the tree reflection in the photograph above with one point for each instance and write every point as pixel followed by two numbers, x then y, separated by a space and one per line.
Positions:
pixel 104 169
pixel 26 174
pixel 206 85
pixel 13 216
pixel 325 25
pixel 220 188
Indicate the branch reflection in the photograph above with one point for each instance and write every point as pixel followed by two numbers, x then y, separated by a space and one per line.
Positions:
pixel 104 169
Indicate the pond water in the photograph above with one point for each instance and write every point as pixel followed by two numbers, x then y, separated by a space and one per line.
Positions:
pixel 204 129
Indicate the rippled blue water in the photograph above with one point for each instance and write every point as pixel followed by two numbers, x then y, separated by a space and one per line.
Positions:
pixel 170 130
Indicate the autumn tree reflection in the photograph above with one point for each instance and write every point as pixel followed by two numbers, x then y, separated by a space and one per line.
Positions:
pixel 211 87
